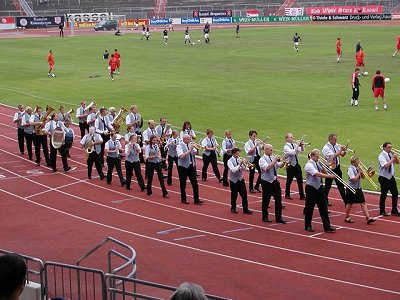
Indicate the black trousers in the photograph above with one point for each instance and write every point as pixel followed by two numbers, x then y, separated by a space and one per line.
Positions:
pixel 388 185
pixel 316 197
pixel 271 189
pixel 226 169
pixel 150 169
pixel 94 158
pixel 20 135
pixel 171 161
pixel 84 127
pixel 163 156
pixel 41 141
pixel 53 156
pixel 294 172
pixel 238 188
pixel 340 186
pixel 106 138
pixel 183 175
pixel 356 93
pixel 111 162
pixel 210 159
pixel 130 167
pixel 29 140
pixel 252 172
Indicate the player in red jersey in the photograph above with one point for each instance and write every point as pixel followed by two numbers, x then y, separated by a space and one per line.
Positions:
pixel 397 46
pixel 50 60
pixel 113 65
pixel 118 57
pixel 378 87
pixel 338 50
pixel 360 60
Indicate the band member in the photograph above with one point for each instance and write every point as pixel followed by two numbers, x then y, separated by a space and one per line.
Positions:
pixel 172 157
pixel 269 164
pixel 210 146
pixel 186 168
pixel 50 60
pixel 315 194
pixel 17 119
pixel 237 183
pixel 112 149
pixel 28 130
pixel 132 162
pixel 112 112
pixel 92 116
pixel 93 141
pixel 81 115
pixel 135 119
pixel 152 155
pixel 163 132
pixel 227 145
pixel 187 129
pixel 49 129
pixel 253 150
pixel 103 126
pixel 61 114
pixel 355 175
pixel 291 151
pixel 130 131
pixel 39 137
pixel 387 160
pixel 332 153
pixel 147 134
pixel 355 86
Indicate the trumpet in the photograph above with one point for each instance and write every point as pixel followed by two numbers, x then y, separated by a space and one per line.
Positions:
pixel 301 142
pixel 369 173
pixel 196 146
pixel 326 166
pixel 246 163
pixel 89 106
pixel 163 138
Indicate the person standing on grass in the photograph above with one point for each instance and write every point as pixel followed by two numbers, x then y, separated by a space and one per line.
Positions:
pixel 113 66
pixel 355 86
pixel 61 27
pixel 338 50
pixel 50 60
pixel 147 33
pixel 378 87
pixel 358 46
pixel 360 60
pixel 118 57
pixel 187 36
pixel 296 41
pixel 355 176
pixel 397 46
pixel 165 35
pixel 237 30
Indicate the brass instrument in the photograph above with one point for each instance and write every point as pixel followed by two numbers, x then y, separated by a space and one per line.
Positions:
pixel 394 150
pixel 262 142
pixel 89 148
pixel 347 149
pixel 43 119
pixel 301 142
pixel 119 120
pixel 285 163
pixel 172 141
pixel 326 166
pixel 369 173
pixel 91 104
pixel 164 137
pixel 197 146
pixel 67 117
pixel 246 163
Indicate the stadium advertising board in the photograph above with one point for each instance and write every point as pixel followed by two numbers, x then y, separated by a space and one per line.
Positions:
pixel 396 17
pixel 222 20
pixel 344 10
pixel 371 17
pixel 39 22
pixel 250 20
pixel 252 13
pixel 294 11
pixel 205 20
pixel 274 19
pixel 88 17
pixel 159 21
pixel 190 21
pixel 140 22
pixel 7 23
pixel 175 21
pixel 212 13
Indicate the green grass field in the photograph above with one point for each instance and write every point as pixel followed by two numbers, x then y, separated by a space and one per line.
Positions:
pixel 255 82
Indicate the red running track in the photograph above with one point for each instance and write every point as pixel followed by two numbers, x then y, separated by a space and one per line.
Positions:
pixel 59 216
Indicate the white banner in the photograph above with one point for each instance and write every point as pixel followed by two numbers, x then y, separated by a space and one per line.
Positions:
pixel 175 20
pixel 88 17
pixel 205 20
pixel 294 11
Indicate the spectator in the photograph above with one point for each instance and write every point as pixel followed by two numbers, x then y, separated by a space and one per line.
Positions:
pixel 12 276
pixel 189 291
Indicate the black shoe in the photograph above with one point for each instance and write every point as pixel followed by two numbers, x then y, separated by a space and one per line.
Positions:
pixel 266 220
pixel 142 188
pixel 372 220
pixel 303 197
pixel 164 177
pixel 220 180
pixel 54 170
pixel 48 165
pixel 108 182
pixel 128 188
pixel 288 197
pixel 247 211
pixel 165 195
pixel 198 202
pixel 67 169
pixel 252 191
pixel 123 183
pixel 226 184
pixel 185 202
pixel 149 193
pixel 89 177
pixel 258 190
pixel 384 213
pixel 396 213
pixel 282 221
pixel 37 164
pixel 309 229
pixel 102 177
pixel 330 229
pixel 234 211
pixel 169 182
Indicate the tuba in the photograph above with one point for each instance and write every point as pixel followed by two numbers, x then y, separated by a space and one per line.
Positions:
pixel 119 120
pixel 58 138
pixel 43 119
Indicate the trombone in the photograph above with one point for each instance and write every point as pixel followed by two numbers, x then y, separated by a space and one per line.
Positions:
pixel 196 146
pixel 93 103
pixel 347 149
pixel 325 165
pixel 246 163
pixel 369 173
pixel 301 142
pixel 262 142
pixel 394 150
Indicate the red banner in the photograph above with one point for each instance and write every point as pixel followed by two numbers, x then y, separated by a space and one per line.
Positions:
pixel 7 20
pixel 344 10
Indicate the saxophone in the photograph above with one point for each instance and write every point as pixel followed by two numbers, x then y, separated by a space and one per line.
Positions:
pixel 43 119
pixel 89 148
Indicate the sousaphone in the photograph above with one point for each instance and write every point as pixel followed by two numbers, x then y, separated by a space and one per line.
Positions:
pixel 58 138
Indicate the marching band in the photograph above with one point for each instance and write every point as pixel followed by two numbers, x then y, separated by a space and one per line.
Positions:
pixel 160 147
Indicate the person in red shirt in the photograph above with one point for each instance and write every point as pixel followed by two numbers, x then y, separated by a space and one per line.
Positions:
pixel 397 46
pixel 118 57
pixel 360 60
pixel 378 87
pixel 113 65
pixel 50 60
pixel 338 50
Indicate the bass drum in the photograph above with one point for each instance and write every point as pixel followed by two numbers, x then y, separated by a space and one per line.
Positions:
pixel 57 138
pixel 69 138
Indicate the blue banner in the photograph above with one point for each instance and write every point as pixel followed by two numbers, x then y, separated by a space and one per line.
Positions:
pixel 190 21
pixel 159 21
pixel 222 20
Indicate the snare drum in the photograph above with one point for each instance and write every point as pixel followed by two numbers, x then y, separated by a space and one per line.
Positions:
pixel 69 138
